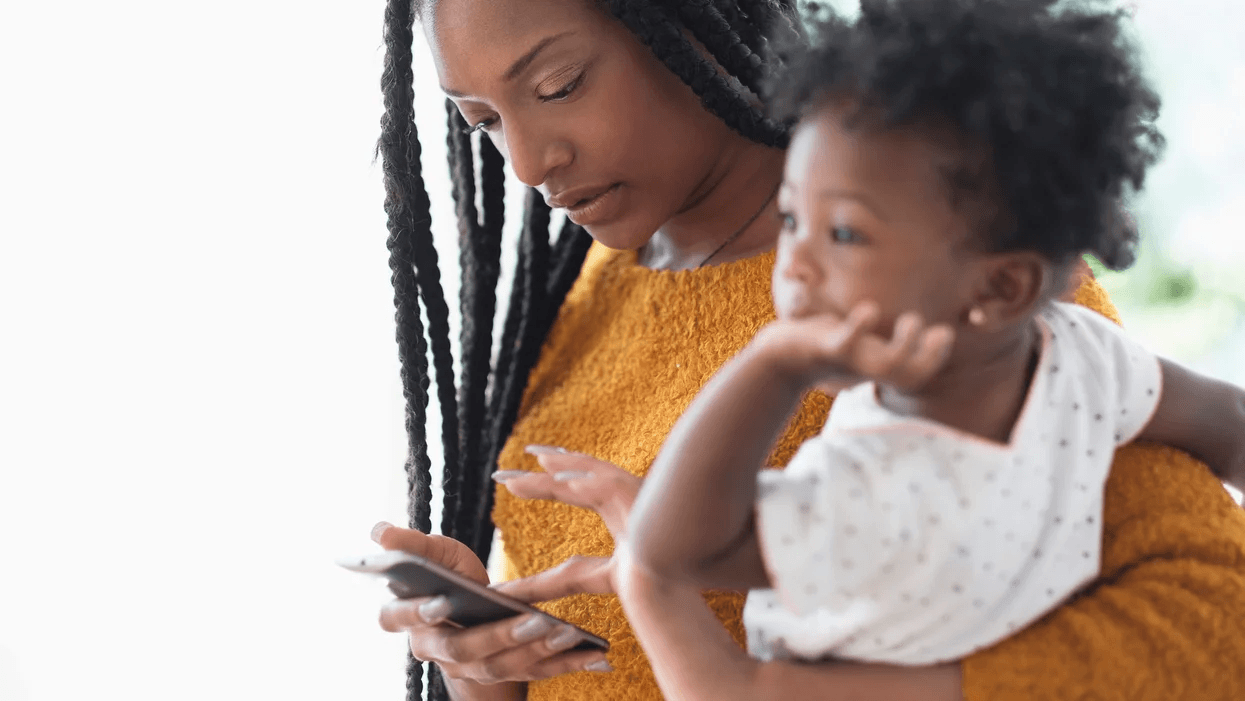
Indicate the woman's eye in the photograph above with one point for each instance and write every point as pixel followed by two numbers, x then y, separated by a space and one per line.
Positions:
pixel 843 234
pixel 480 126
pixel 564 92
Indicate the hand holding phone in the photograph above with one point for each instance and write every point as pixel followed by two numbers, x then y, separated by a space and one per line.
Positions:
pixel 471 603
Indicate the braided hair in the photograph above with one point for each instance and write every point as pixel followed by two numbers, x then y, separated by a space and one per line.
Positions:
pixel 479 411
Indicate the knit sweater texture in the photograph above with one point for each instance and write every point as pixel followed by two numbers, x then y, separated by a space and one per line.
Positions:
pixel 632 347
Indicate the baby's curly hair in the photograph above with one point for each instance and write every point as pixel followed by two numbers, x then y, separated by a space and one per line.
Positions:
pixel 1053 91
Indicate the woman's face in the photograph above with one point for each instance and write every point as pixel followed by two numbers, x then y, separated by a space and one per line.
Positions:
pixel 583 110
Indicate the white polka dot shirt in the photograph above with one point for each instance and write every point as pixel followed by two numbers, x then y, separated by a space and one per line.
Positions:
pixel 895 539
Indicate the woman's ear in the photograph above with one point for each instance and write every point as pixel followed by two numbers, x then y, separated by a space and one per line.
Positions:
pixel 1010 286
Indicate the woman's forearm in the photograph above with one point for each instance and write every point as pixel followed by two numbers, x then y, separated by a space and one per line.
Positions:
pixel 1204 417
pixel 698 498
pixel 1163 621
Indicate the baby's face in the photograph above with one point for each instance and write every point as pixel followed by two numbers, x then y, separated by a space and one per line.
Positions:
pixel 867 216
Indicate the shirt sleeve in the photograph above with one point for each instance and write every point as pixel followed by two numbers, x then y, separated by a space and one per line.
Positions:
pixel 1164 619
pixel 1130 372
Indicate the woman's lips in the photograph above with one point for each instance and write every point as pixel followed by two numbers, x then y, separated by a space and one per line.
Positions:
pixel 597 209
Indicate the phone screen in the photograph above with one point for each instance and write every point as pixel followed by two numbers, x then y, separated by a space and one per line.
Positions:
pixel 408 580
pixel 471 603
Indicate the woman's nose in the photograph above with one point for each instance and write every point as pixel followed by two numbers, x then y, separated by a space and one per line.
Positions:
pixel 533 155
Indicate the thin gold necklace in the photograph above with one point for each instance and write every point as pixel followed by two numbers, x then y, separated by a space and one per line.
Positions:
pixel 731 239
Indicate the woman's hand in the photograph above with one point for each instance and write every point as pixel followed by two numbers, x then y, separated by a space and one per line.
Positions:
pixel 579 480
pixel 520 649
pixel 583 481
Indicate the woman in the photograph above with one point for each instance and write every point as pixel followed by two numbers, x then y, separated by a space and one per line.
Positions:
pixel 591 104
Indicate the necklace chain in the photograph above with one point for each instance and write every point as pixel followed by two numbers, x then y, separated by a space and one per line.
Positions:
pixel 731 239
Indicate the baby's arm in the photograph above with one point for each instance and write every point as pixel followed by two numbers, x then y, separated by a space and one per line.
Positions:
pixel 693 520
pixel 1203 417
pixel 695 659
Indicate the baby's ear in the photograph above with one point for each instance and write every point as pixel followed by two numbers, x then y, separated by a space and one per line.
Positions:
pixel 1010 287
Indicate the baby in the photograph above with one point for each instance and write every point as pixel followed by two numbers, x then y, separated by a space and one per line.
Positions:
pixel 952 161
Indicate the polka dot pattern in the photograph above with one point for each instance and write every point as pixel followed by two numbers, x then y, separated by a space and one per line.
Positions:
pixel 896 539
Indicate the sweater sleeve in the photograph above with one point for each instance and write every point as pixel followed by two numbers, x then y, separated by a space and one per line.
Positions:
pixel 1166 620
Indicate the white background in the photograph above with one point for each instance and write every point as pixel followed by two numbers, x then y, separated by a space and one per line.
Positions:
pixel 199 405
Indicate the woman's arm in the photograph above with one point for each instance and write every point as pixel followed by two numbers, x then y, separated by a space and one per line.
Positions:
pixel 694 658
pixel 1165 619
pixel 1204 417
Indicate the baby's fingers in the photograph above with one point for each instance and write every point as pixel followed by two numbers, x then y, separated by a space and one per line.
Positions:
pixel 879 359
pixel 922 357
pixel 839 343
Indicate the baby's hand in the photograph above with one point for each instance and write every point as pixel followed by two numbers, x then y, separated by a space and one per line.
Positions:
pixel 833 353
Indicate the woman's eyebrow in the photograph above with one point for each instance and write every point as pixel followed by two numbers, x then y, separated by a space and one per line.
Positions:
pixel 519 65
pixel 526 59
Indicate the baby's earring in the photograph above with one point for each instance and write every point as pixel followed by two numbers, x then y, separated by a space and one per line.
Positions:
pixel 977 316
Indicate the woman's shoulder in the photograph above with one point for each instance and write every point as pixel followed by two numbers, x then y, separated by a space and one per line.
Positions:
pixel 1091 294
pixel 1160 502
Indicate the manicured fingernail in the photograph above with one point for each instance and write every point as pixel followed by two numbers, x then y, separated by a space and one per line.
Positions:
pixel 565 638
pixel 568 475
pixel 598 666
pixel 379 529
pixel 532 628
pixel 544 450
pixel 434 610
pixel 503 476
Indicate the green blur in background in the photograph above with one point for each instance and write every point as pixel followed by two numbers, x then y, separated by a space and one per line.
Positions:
pixel 1185 296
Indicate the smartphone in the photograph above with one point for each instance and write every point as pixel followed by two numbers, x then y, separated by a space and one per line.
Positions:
pixel 471 603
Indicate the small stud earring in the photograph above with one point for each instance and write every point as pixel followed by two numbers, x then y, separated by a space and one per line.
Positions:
pixel 976 316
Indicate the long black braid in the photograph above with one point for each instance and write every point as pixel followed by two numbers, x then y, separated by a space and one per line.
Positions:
pixel 481 270
pixel 657 25
pixel 477 420
pixel 710 25
pixel 407 207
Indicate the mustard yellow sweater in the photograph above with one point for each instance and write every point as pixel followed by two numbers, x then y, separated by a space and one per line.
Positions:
pixel 633 346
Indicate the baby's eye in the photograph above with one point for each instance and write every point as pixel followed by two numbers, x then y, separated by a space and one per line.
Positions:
pixel 843 234
pixel 788 221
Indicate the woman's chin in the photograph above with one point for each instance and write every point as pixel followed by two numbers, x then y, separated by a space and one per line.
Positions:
pixel 618 236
